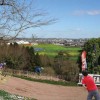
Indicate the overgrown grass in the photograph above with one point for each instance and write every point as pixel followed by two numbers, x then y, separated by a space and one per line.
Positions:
pixel 7 96
pixel 63 83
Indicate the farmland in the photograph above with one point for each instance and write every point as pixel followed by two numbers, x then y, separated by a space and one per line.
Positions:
pixel 52 50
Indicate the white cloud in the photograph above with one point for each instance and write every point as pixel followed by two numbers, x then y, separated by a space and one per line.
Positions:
pixel 87 12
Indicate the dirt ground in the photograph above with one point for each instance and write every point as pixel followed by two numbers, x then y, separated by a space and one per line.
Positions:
pixel 42 91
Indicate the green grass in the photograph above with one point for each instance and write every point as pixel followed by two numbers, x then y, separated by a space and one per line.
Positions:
pixel 7 96
pixel 52 50
pixel 47 81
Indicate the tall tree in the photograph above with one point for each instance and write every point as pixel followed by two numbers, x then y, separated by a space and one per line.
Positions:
pixel 92 47
pixel 37 60
pixel 30 58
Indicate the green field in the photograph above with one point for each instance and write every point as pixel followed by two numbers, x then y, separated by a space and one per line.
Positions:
pixel 52 50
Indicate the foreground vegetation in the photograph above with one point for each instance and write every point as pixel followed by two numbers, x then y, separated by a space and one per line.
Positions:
pixel 56 60
pixel 7 96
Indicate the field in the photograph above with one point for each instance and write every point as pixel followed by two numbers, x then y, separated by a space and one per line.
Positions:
pixel 52 50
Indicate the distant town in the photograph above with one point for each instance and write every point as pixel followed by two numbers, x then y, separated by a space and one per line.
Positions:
pixel 56 41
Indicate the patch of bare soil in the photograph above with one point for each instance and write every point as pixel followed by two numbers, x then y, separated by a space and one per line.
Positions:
pixel 42 91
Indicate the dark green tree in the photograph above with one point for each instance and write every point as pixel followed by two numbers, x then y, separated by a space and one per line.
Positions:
pixel 30 59
pixel 37 60
pixel 92 47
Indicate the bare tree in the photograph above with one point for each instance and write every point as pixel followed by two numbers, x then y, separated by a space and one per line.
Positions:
pixel 18 15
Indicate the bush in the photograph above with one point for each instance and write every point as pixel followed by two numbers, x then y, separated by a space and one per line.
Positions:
pixel 49 71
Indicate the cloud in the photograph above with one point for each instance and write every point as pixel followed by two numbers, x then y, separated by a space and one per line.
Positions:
pixel 87 12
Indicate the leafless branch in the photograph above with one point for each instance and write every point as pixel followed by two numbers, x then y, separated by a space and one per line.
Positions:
pixel 17 16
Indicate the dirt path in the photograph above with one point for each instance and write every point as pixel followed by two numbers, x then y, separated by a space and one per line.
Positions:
pixel 41 91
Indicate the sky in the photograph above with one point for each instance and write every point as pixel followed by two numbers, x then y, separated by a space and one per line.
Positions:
pixel 76 19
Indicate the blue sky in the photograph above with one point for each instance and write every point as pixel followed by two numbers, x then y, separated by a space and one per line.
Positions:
pixel 76 19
